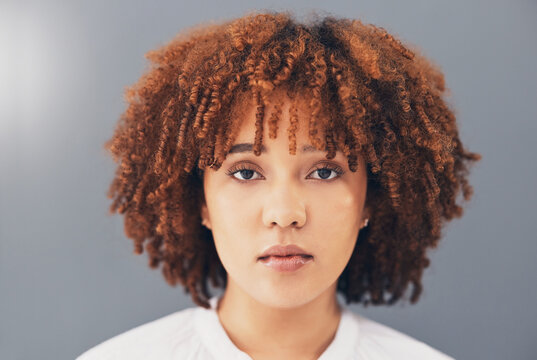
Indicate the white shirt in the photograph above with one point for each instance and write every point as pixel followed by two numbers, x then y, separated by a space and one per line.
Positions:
pixel 196 333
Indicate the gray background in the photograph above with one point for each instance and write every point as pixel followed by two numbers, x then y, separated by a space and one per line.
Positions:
pixel 68 275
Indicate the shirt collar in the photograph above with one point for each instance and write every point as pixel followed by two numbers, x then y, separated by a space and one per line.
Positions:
pixel 216 340
pixel 213 335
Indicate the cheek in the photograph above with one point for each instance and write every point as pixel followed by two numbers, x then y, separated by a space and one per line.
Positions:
pixel 231 219
pixel 337 223
pixel 341 211
pixel 231 212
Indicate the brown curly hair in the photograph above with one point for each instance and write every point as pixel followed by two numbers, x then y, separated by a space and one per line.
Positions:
pixel 383 99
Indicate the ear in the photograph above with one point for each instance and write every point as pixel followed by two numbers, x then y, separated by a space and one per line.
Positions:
pixel 205 219
pixel 366 213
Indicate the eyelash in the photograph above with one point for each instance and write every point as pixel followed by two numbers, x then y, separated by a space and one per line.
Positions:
pixel 240 167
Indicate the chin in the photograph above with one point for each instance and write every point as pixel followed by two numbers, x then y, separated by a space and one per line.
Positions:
pixel 283 298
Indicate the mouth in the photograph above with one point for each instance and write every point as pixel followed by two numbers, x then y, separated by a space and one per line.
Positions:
pixel 287 263
pixel 283 251
pixel 285 257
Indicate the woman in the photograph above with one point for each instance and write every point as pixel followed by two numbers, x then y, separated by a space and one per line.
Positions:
pixel 285 162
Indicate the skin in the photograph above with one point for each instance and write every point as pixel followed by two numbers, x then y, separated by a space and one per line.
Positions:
pixel 285 200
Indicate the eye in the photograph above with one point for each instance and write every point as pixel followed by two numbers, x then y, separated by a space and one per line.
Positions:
pixel 323 170
pixel 242 169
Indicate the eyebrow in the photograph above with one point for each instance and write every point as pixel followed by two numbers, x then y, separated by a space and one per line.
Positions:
pixel 249 147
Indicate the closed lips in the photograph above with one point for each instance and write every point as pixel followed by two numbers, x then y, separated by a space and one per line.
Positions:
pixel 282 256
pixel 284 251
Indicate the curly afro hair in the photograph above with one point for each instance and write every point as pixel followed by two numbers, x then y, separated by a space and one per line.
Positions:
pixel 384 101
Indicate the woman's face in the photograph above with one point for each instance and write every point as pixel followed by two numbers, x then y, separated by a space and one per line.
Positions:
pixel 283 199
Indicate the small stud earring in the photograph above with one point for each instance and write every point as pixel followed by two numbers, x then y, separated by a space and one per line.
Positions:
pixel 365 223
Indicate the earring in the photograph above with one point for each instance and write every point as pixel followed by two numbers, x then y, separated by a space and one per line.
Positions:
pixel 365 223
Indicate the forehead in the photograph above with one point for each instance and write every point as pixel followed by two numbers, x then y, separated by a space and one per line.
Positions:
pixel 241 147
pixel 247 125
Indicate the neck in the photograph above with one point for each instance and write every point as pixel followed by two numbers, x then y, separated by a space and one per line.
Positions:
pixel 304 331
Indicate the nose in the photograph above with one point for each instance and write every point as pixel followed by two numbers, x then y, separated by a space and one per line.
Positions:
pixel 284 207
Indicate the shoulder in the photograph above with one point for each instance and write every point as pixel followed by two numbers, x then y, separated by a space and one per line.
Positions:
pixel 380 341
pixel 159 338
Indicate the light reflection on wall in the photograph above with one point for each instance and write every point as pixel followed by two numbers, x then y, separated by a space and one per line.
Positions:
pixel 28 68
pixel 38 65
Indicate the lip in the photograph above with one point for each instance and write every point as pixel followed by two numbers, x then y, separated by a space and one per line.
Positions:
pixel 279 250
pixel 288 263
